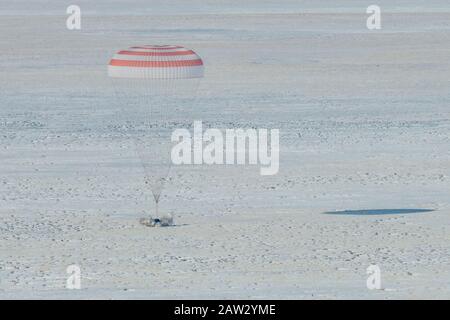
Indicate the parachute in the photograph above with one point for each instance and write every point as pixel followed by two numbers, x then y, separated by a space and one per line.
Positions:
pixel 152 84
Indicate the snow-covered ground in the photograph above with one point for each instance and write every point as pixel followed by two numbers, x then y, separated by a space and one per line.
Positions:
pixel 364 118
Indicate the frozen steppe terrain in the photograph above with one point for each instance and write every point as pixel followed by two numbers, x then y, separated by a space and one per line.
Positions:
pixel 364 178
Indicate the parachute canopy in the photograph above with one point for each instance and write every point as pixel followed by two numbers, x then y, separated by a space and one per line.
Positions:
pixel 156 62
pixel 153 85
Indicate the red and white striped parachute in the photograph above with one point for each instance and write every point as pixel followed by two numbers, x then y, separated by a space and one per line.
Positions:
pixel 156 62
pixel 153 85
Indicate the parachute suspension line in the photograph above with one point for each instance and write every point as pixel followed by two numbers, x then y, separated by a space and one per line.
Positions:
pixel 156 205
pixel 153 80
